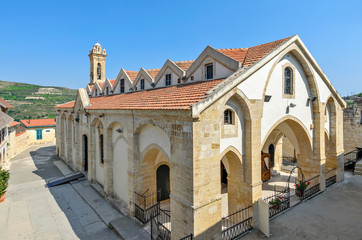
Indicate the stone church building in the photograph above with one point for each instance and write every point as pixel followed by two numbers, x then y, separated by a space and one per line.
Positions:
pixel 187 128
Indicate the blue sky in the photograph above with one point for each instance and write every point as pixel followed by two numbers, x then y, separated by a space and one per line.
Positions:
pixel 47 42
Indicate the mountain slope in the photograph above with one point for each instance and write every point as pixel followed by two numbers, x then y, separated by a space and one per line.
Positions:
pixel 34 101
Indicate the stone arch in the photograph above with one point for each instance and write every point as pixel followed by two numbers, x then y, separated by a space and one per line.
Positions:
pixel 63 135
pixel 96 167
pixel 70 139
pixel 153 157
pixel 232 160
pixel 298 135
pixel 331 144
pixel 117 161
pixel 308 71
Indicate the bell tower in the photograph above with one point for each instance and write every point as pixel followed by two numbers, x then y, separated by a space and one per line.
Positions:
pixel 97 56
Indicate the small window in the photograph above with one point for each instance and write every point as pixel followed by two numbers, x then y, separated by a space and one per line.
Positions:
pixel 228 116
pixel 107 91
pixel 288 81
pixel 209 71
pixel 101 148
pixel 192 78
pixel 179 80
pixel 122 85
pixel 47 130
pixel 96 92
pixel 142 84
pixel 99 71
pixel 39 134
pixel 168 79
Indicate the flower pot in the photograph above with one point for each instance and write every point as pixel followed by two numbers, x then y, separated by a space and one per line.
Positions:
pixel 276 207
pixel 299 193
pixel 2 198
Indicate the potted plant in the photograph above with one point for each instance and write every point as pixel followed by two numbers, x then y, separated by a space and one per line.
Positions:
pixel 4 178
pixel 275 203
pixel 300 186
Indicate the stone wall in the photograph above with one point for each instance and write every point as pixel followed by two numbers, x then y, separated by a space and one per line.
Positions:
pixel 352 126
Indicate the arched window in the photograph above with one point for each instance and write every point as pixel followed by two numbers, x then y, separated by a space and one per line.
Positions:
pixel 288 81
pixel 228 116
pixel 99 71
pixel 101 148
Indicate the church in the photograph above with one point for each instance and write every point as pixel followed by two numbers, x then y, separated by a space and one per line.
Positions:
pixel 181 134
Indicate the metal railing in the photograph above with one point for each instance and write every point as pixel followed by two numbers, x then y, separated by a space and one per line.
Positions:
pixel 331 177
pixel 188 237
pixel 350 157
pixel 284 204
pixel 161 226
pixel 313 188
pixel 289 161
pixel 237 223
pixel 146 206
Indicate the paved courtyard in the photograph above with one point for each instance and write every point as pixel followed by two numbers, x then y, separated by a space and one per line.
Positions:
pixel 335 214
pixel 33 211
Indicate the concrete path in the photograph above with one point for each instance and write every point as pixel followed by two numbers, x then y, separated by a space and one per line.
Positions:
pixel 33 211
pixel 333 215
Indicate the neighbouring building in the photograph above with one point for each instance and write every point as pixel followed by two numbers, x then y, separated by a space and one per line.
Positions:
pixel 5 120
pixel 189 130
pixel 37 131
pixel 353 125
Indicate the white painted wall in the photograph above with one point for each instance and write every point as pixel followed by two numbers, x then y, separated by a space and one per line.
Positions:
pixel 236 142
pixel 162 81
pixel 276 108
pixel 120 168
pixel 219 70
pixel 151 134
pixel 324 91
pixel 99 165
pixel 327 118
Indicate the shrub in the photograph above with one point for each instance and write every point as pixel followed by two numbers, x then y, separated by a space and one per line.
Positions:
pixel 4 178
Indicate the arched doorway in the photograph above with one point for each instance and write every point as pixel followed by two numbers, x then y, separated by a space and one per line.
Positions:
pixel 163 182
pixel 85 152
pixel 271 152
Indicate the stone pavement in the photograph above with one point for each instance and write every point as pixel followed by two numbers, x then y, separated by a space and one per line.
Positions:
pixel 335 214
pixel 70 211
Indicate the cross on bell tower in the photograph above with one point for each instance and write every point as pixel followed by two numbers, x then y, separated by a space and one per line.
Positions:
pixel 97 56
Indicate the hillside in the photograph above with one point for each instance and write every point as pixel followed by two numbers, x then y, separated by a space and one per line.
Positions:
pixel 32 100
pixel 349 99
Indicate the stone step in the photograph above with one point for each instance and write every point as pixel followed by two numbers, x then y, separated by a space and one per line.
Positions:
pixel 128 229
pixel 358 172
pixel 358 168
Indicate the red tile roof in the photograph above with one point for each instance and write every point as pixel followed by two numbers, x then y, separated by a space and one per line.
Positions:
pixel 256 53
pixel 112 81
pixel 66 105
pixel 132 74
pixel 237 54
pixel 38 122
pixel 20 133
pixel 13 123
pixel 184 65
pixel 173 97
pixel 5 103
pixel 153 72
pixel 101 84
pixel 90 86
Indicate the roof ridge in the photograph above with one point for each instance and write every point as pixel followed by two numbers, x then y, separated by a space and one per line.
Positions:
pixel 231 48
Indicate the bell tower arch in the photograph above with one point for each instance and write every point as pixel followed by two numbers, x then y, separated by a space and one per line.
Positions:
pixel 97 56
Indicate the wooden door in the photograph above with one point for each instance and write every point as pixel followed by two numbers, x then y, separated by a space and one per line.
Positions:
pixel 265 166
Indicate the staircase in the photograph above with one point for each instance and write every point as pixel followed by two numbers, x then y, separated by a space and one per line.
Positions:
pixel 358 168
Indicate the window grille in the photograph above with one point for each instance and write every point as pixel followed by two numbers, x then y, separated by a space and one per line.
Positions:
pixel 228 116
pixel 122 85
pixel 288 81
pixel 168 79
pixel 142 84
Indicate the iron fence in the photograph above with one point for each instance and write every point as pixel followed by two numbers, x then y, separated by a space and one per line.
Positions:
pixel 188 237
pixel 313 188
pixel 161 226
pixel 331 177
pixel 350 157
pixel 146 206
pixel 289 161
pixel 278 202
pixel 237 223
